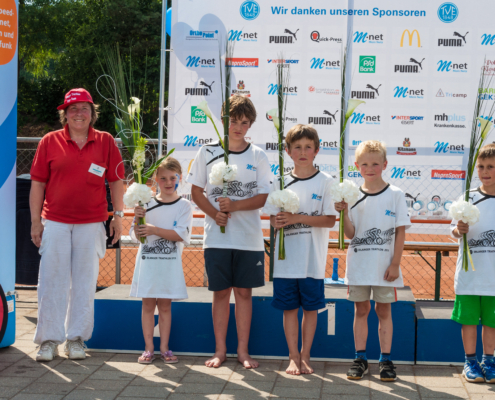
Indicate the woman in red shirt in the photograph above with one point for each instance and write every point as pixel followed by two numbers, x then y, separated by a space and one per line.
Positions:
pixel 68 213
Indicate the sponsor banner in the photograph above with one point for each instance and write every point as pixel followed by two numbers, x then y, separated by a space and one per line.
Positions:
pixel 448 174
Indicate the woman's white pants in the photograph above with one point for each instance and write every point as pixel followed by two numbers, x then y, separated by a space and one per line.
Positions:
pixel 69 268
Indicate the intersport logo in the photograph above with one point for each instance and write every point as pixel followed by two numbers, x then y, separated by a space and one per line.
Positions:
pixel 240 36
pixel 449 66
pixel 242 62
pixel 402 92
pixel 195 62
pixel 321 63
pixel 364 37
pixel 287 90
pixel 448 174
pixel 446 147
pixel 407 119
pixel 401 173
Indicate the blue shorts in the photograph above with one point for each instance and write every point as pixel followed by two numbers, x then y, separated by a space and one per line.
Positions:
pixel 289 294
pixel 228 268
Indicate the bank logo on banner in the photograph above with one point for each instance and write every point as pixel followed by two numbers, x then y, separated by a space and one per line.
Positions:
pixel 449 121
pixel 402 92
pixel 353 172
pixel 362 118
pixel 242 62
pixel 316 37
pixel 198 62
pixel 289 36
pixel 407 119
pixel 372 91
pixel 367 64
pixel 241 89
pixel 322 63
pixel 448 174
pixel 487 39
pixel 321 90
pixel 401 173
pixel 287 90
pixel 197 116
pixel 238 36
pixel 448 12
pixel 410 36
pixel 364 37
pixel 413 66
pixel 206 90
pixel 486 94
pixel 406 149
pixel 202 35
pixel 457 39
pixel 446 147
pixel 449 66
pixel 249 10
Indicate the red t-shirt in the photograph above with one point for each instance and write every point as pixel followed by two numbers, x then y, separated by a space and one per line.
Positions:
pixel 73 194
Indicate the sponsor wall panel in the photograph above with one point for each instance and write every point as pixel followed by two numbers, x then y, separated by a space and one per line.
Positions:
pixel 416 66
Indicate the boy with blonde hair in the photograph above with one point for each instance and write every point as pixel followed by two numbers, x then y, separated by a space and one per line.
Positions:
pixel 475 290
pixel 298 280
pixel 376 225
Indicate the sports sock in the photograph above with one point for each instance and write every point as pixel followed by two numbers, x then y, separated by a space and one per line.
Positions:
pixel 488 357
pixel 361 354
pixel 384 357
pixel 471 357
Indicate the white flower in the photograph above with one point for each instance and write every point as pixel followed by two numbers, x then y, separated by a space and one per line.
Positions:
pixel 461 210
pixel 273 113
pixel 137 193
pixel 134 108
pixel 351 106
pixel 222 172
pixel 485 125
pixel 286 199
pixel 344 191
pixel 138 159
pixel 203 106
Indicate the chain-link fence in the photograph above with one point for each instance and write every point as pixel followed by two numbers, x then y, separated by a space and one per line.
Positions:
pixel 428 262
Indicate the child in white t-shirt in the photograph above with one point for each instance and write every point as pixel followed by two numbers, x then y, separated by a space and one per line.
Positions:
pixel 234 260
pixel 376 224
pixel 475 290
pixel 298 280
pixel 158 275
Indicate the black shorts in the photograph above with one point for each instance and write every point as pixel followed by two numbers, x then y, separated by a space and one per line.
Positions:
pixel 234 268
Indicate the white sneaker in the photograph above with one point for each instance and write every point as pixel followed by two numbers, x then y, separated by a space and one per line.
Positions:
pixel 75 349
pixel 48 350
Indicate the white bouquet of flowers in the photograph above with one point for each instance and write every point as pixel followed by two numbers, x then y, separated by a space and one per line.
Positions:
pixel 222 172
pixel 286 200
pixel 345 191
pixel 463 211
pixel 137 193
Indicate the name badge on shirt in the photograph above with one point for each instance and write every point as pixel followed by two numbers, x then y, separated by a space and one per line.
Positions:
pixel 97 170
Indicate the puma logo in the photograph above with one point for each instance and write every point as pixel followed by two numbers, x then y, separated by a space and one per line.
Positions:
pixel 368 86
pixel 417 62
pixel 202 83
pixel 331 115
pixel 411 197
pixel 459 35
pixel 209 151
pixel 290 33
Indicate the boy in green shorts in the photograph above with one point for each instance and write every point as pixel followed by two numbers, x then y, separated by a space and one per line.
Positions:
pixel 475 290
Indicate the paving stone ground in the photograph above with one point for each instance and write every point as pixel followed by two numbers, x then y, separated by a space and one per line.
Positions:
pixel 108 376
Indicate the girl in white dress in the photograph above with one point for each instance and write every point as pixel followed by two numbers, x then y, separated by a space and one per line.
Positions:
pixel 158 275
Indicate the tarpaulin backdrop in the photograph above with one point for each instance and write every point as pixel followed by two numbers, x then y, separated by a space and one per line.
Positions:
pixel 416 64
pixel 8 134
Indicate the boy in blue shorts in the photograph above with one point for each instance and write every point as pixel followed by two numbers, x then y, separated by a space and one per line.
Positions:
pixel 298 280
pixel 376 225
pixel 475 290
pixel 234 259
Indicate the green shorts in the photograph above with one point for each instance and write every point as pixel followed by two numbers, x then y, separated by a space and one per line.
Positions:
pixel 468 309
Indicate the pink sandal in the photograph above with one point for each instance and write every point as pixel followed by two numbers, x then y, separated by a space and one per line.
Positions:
pixel 146 358
pixel 167 357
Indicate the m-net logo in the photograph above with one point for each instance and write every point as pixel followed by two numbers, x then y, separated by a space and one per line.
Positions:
pixel 446 147
pixel 250 167
pixel 402 92
pixel 448 174
pixel 364 37
pixel 401 173
pixel 321 63
pixel 275 168
pixel 487 39
pixel 315 196
pixel 449 66
pixel 389 213
pixel 328 145
pixel 457 41
pixel 289 37
pixel 361 118
pixel 287 90
pixel 195 62
pixel 249 10
pixel 193 141
pixel 240 36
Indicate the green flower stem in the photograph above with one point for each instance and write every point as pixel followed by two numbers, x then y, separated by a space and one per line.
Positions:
pixel 224 194
pixel 216 130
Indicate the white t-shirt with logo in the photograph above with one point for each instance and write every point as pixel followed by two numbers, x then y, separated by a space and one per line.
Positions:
pixel 375 218
pixel 243 230
pixel 481 241
pixel 158 272
pixel 306 247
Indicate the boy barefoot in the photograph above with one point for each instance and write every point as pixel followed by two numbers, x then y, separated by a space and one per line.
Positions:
pixel 376 224
pixel 475 290
pixel 298 280
pixel 234 259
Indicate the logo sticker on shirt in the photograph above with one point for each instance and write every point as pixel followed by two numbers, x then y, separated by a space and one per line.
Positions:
pixel 97 170
pixel 389 213
pixel 373 236
pixel 314 196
